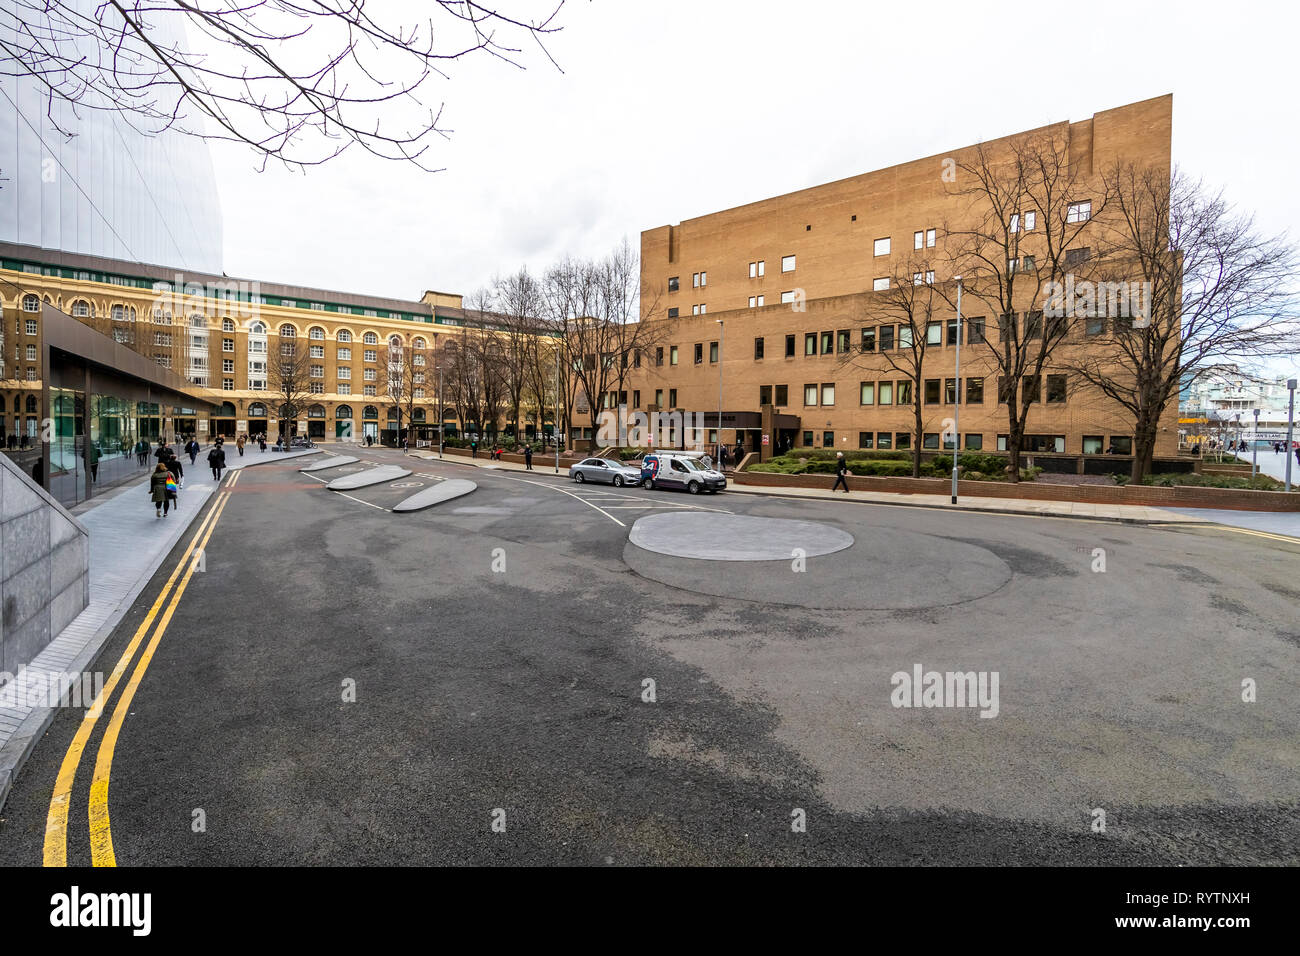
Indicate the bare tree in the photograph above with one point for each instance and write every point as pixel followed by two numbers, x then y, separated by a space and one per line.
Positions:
pixel 247 72
pixel 289 377
pixel 519 304
pixel 1191 289
pixel 1030 213
pixel 406 375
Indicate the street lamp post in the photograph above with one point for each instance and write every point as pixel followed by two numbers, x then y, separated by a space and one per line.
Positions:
pixel 956 409
pixel 1290 424
pixel 1254 448
pixel 556 425
pixel 717 450
pixel 442 415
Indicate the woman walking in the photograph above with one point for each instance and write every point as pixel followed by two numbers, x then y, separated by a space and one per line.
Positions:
pixel 239 444
pixel 217 460
pixel 158 482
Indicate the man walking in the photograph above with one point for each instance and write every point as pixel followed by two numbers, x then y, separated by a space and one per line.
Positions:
pixel 841 472
pixel 217 460
pixel 473 448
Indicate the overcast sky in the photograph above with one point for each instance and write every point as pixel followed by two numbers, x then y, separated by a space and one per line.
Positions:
pixel 675 108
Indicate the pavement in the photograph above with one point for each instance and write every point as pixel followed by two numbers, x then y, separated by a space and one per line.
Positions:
pixel 405 681
pixel 128 543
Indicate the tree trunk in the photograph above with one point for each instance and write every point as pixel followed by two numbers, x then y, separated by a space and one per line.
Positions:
pixel 918 436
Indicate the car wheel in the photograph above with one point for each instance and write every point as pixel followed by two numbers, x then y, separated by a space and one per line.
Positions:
pixel 618 481
pixel 693 487
pixel 579 478
pixel 649 484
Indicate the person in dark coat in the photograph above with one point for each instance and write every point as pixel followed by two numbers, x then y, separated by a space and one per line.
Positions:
pixel 192 446
pixel 162 451
pixel 217 460
pixel 158 489
pixel 175 467
pixel 841 472
pixel 528 457
pixel 473 449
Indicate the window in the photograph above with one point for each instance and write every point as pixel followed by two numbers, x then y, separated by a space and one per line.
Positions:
pixel 828 393
pixel 659 397
pixel 761 300
pixel 699 353
pixel 880 285
pixel 672 398
pixel 695 280
pixel 974 442
pixel 842 340
pixel 227 345
pixel 975 331
pixel 902 440
pixel 828 439
pixel 31 303
pixel 918 240
pixel 673 283
pixel 787 297
pixel 344 335
pixel 30 326
pixel 672 313
pixel 1074 257
pixel 753 301
pixel 1079 211
pixel 880 247
pixel 370 338
pixel 287 331
pixel 344 372
pixel 1030 219
pixel 228 384
pixel 695 310
pixel 1015 222
pixel 868 340
pixel 828 343
pixel 903 393
pixel 886 338
pixel 810 343
pixel 1055 389
pixel 950 391
pixel 1004 392
pixel 789 346
pixel 885 393
pixel 787 263
pixel 974 391
pixel 933 333
pixel 344 389
pixel 1094 325
pixel 228 366
pixel 1093 444
pixel 344 355
pixel 810 395
pixel 368 389
pixel 713 353
pixel 1033 325
pixel 930 440
pixel 867 393
pixel 316 333
pixel 316 351
pixel 672 355
pixel 318 371
pixel 287 348
pixel 1031 389
pixel 316 388
pixel 369 375
pixel 905 337
pixel 782 395
pixel 762 268
pixel 865 438
pixel 932 391
pixel 369 355
pixel 883 440
pixel 807 439
pixel 31 353
pixel 930 235
pixel 758 348
pixel 764 395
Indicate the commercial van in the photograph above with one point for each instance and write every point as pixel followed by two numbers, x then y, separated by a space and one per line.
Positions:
pixel 680 471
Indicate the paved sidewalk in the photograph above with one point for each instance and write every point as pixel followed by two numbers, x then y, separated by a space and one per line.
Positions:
pixel 128 543
pixel 1131 514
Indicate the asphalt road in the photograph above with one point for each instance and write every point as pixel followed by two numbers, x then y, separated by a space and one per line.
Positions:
pixel 499 647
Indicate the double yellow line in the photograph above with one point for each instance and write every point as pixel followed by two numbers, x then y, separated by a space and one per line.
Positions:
pixel 56 822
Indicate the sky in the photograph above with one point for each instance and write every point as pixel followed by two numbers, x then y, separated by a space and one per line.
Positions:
pixel 671 109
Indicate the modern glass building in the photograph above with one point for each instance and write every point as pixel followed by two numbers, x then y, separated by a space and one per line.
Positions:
pixel 108 190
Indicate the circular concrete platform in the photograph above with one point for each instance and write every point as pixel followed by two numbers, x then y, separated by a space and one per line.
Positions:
pixel 710 536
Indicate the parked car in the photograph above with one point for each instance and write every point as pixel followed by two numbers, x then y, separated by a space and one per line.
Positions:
pixel 665 470
pixel 606 470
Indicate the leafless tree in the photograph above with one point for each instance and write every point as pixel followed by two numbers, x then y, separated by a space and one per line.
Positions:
pixel 406 375
pixel 1026 226
pixel 519 304
pixel 289 378
pixel 1214 293
pixel 295 82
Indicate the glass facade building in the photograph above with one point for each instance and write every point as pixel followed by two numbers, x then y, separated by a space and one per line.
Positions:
pixel 108 190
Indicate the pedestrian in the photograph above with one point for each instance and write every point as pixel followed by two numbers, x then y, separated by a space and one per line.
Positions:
pixel 239 444
pixel 162 451
pixel 261 443
pixel 192 447
pixel 528 457
pixel 841 472
pixel 158 482
pixel 473 448
pixel 176 468
pixel 91 455
pixel 38 471
pixel 217 460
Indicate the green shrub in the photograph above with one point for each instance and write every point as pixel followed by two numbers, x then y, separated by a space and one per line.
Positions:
pixel 1245 483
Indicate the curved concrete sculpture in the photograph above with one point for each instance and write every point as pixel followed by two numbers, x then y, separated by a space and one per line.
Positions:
pixel 331 462
pixel 372 476
pixel 441 491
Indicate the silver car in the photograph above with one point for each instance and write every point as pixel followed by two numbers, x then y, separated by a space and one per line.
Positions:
pixel 606 470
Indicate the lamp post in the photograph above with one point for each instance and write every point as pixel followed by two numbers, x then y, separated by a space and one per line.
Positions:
pixel 556 426
pixel 1254 448
pixel 1290 424
pixel 442 415
pixel 956 413
pixel 717 450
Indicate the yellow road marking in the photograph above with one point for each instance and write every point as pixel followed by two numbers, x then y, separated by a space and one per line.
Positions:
pixel 101 838
pixel 1263 534
pixel 56 822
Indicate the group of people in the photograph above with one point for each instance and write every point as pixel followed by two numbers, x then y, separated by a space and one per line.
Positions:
pixel 17 441
pixel 168 477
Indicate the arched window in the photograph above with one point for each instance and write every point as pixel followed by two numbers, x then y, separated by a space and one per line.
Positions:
pixel 316 333
pixel 81 309
pixel 417 415
pixel 343 411
pixel 419 343
pixel 287 331
pixel 394 341
pixel 316 411
pixel 227 409
pixel 118 313
pixel 227 325
pixel 31 404
pixel 370 338
pixel 31 303
pixel 257 328
pixel 344 335
pixel 392 414
pixel 257 410
pixel 370 412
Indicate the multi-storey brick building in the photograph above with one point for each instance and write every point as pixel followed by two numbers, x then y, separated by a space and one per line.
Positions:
pixel 779 304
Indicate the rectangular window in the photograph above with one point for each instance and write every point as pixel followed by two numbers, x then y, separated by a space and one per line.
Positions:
pixel 762 268
pixel 903 441
pixel 1074 257
pixel 904 336
pixel 672 312
pixel 228 384
pixel 880 284
pixel 636 398
pixel 753 301
pixel 227 345
pixel 810 343
pixel 930 235
pixel 974 391
pixel 789 346
pixel 787 263
pixel 1092 444
pixel 1015 222
pixel 885 393
pixel 883 440
pixel 886 338
pixel 930 440
pixel 1055 389
pixel 704 279
pixel 344 372
pixel 865 439
pixel 880 247
pixel 228 366
pixel 31 353
pixel 787 297
pixel 868 340
pixel 316 388
pixel 673 283
pixel 659 355
pixel 1033 325
pixel 1030 219
pixel 345 355
pixel 783 395
pixel 695 280
pixel 672 355
pixel 932 391
pixel 672 398
pixel 918 240
pixel 713 352
pixel 30 325
pixel 761 300
pixel 369 355
pixel 828 393
pixel 810 395
pixel 933 333
pixel 828 343
pixel 1031 389
pixel 867 393
pixel 659 397
pixel 842 340
pixel 974 330
pixel 903 393
pixel 758 348
pixel 764 395
pixel 950 391
pixel 1094 325
pixel 974 442
pixel 807 439
pixel 699 353
pixel 828 439
pixel 753 270
pixel 1079 211
pixel 695 310
pixel 952 332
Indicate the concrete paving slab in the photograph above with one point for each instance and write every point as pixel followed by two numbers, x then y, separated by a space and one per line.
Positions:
pixel 436 495
pixel 371 476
